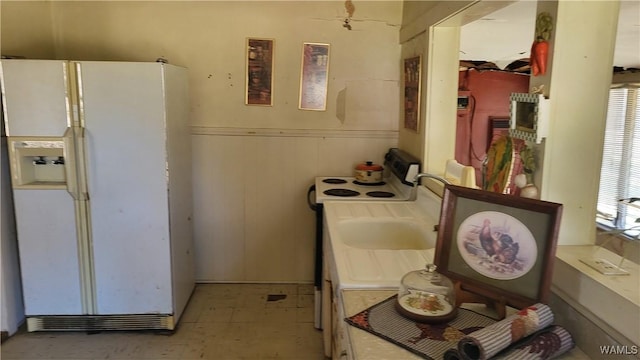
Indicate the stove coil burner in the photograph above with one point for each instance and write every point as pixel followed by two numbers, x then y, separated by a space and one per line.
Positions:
pixel 381 194
pixel 368 184
pixel 334 181
pixel 341 192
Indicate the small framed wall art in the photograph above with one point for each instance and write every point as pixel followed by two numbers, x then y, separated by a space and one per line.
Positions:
pixel 498 246
pixel 412 80
pixel 314 77
pixel 259 81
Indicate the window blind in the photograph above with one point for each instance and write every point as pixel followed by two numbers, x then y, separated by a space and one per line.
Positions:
pixel 620 173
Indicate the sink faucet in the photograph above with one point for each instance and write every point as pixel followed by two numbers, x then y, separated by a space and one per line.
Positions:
pixel 416 182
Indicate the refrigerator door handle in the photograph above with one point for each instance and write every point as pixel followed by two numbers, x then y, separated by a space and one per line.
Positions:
pixel 83 188
pixel 70 163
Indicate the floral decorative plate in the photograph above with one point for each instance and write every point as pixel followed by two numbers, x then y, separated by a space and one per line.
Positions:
pixel 497 245
pixel 426 304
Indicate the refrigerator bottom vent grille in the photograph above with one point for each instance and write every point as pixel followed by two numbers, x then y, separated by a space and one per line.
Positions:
pixel 101 322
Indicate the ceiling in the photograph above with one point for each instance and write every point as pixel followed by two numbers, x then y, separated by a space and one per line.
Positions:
pixel 507 27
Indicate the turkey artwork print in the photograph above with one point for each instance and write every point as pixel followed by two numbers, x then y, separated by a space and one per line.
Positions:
pixel 497 245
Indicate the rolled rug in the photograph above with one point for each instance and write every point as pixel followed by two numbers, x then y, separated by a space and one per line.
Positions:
pixel 452 354
pixel 487 342
pixel 547 343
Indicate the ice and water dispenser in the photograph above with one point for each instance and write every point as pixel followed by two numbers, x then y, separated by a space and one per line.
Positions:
pixel 38 162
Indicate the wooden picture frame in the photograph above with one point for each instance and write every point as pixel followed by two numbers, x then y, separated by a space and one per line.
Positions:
pixel 412 85
pixel 314 77
pixel 512 262
pixel 259 75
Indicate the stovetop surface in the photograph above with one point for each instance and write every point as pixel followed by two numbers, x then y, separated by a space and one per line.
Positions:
pixel 399 170
pixel 347 188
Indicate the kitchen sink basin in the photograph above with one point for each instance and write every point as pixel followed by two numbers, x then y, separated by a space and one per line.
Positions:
pixel 385 234
pixel 373 244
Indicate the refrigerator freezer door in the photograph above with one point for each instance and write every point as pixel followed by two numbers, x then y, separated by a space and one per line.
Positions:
pixel 37 114
pixel 124 119
pixel 36 97
pixel 47 234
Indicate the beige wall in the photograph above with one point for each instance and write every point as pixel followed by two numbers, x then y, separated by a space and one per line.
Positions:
pixel 208 37
pixel 252 164
pixel 26 29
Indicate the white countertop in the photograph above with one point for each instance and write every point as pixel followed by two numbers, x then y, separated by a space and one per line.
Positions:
pixel 587 288
pixel 352 267
pixel 364 277
pixel 368 346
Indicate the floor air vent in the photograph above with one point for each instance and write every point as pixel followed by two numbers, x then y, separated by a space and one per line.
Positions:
pixel 101 322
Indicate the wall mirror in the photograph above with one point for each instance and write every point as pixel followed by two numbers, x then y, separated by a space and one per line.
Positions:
pixel 528 117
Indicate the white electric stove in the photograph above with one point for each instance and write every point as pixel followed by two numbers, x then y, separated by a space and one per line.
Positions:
pixel 399 170
pixel 349 189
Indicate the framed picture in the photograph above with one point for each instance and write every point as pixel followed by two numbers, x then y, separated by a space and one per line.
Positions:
pixel 412 80
pixel 314 77
pixel 498 246
pixel 259 89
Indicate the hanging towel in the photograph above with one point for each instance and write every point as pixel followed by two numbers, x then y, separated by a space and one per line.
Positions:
pixel 487 342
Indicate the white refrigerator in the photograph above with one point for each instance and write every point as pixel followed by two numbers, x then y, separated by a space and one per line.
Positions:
pixel 100 162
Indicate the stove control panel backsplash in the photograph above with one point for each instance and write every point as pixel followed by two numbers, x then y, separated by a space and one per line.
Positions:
pixel 404 165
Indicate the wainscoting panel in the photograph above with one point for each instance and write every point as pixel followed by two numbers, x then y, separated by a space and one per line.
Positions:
pixel 219 208
pixel 251 218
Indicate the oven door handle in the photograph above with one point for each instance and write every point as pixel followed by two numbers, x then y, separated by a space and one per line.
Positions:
pixel 312 205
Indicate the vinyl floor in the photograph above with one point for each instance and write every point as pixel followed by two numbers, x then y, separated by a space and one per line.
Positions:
pixel 221 321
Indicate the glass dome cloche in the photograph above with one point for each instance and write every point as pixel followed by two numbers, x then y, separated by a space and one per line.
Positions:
pixel 426 296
